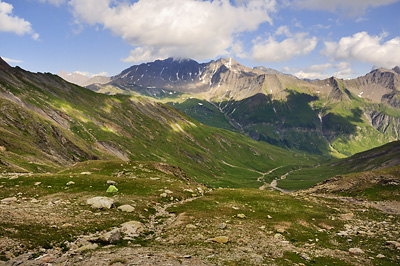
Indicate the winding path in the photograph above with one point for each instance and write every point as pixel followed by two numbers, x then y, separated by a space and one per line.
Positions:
pixel 274 182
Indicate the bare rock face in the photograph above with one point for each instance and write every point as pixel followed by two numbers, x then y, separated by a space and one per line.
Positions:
pixel 100 203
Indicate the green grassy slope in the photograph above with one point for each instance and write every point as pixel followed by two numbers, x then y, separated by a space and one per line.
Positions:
pixel 385 156
pixel 376 185
pixel 49 123
pixel 334 124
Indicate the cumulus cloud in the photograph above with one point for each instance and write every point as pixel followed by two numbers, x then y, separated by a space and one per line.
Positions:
pixel 310 75
pixel 272 50
pixel 363 47
pixel 352 7
pixel 323 71
pixel 181 28
pixel 11 23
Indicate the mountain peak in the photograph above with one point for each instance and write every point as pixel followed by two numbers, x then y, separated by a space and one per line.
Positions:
pixel 4 65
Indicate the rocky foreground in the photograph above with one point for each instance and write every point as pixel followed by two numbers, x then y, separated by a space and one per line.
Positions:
pixel 157 218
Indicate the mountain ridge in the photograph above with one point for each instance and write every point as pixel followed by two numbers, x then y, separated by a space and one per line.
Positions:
pixel 337 115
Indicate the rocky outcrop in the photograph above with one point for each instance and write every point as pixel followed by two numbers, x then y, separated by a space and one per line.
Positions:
pixel 384 123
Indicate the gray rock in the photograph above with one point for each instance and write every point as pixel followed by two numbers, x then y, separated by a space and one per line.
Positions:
pixel 190 226
pixel 305 256
pixel 112 236
pixel 132 228
pixel 394 244
pixel 380 256
pixel 86 173
pixel 70 183
pixel 356 251
pixel 111 182
pixel 8 200
pixel 126 208
pixel 87 247
pixel 223 226
pixel 100 203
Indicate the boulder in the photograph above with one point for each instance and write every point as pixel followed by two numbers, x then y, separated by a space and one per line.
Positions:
pixel 111 182
pixel 8 200
pixel 132 228
pixel 126 208
pixel 394 244
pixel 111 236
pixel 356 251
pixel 100 203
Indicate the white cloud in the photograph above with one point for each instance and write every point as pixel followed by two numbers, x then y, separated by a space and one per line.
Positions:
pixel 90 75
pixel 271 50
pixel 349 7
pixel 12 61
pixel 311 75
pixel 11 23
pixel 323 71
pixel 363 47
pixel 181 28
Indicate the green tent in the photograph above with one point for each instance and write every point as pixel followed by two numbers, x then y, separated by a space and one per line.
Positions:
pixel 112 189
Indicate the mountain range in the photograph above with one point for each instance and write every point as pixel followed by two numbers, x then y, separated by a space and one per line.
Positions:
pixel 326 117
pixel 82 79
pixel 47 124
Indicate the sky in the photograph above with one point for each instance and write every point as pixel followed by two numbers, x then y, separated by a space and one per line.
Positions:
pixel 308 38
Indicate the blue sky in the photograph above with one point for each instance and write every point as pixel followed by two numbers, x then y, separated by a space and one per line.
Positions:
pixel 308 38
